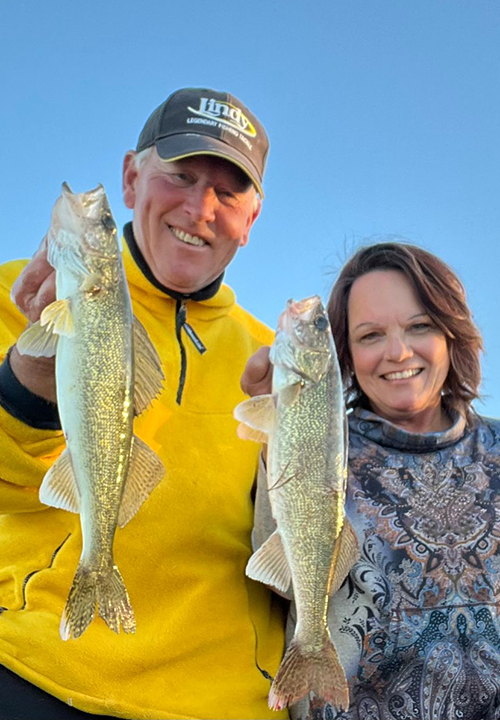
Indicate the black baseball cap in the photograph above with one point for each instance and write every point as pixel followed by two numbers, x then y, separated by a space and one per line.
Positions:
pixel 200 121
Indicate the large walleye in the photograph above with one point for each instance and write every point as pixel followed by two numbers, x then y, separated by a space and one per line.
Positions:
pixel 107 370
pixel 313 547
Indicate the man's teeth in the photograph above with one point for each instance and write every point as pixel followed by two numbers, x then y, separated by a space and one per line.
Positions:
pixel 403 374
pixel 187 238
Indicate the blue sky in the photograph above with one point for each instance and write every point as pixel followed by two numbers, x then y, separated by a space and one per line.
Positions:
pixel 384 119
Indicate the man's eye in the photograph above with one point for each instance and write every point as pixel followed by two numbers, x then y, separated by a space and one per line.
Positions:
pixel 180 179
pixel 227 197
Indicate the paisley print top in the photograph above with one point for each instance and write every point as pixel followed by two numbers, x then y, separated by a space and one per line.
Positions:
pixel 416 624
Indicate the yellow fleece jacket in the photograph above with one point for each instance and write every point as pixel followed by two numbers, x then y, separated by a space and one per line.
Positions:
pixel 201 624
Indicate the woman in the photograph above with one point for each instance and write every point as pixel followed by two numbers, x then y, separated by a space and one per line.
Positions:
pixel 415 624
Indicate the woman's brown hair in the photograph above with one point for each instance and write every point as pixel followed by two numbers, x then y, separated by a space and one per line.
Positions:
pixel 441 294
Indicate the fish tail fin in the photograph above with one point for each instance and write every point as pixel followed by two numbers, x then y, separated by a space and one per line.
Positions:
pixel 304 671
pixel 104 588
pixel 113 602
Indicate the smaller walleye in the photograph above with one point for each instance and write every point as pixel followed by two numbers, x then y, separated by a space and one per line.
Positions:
pixel 107 370
pixel 313 547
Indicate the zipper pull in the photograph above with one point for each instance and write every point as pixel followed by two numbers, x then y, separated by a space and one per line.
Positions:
pixel 190 332
pixel 195 339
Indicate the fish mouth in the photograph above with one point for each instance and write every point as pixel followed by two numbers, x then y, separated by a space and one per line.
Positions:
pixel 187 238
pixel 304 309
pixel 402 374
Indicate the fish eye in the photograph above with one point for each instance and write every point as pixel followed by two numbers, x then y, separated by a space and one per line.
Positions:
pixel 321 323
pixel 107 221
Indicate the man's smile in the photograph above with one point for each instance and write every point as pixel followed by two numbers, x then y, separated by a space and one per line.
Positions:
pixel 185 237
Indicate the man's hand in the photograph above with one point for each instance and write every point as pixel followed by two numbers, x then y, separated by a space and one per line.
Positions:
pixel 34 289
pixel 257 375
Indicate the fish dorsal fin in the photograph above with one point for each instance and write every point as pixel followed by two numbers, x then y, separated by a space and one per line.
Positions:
pixel 38 341
pixel 345 557
pixel 59 488
pixel 149 375
pixel 144 473
pixel 258 413
pixel 269 565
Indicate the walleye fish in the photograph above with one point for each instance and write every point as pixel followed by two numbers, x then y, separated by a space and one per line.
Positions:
pixel 107 370
pixel 313 547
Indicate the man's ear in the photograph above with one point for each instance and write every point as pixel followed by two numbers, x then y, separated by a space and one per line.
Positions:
pixel 251 219
pixel 129 179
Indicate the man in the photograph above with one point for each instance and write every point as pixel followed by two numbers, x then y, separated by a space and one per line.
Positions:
pixel 203 629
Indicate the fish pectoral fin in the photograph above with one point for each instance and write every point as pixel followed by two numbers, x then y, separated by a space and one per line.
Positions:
pixel 91 283
pixel 58 317
pixel 145 472
pixel 247 433
pixel 347 555
pixel 258 414
pixel 149 375
pixel 291 393
pixel 38 341
pixel 269 565
pixel 59 488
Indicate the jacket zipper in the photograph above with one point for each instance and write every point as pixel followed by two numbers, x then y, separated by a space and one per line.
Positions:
pixel 180 323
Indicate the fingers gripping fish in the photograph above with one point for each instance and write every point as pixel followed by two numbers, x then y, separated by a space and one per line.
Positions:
pixel 313 547
pixel 107 370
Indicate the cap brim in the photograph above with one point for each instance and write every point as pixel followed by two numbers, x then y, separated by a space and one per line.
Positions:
pixel 177 147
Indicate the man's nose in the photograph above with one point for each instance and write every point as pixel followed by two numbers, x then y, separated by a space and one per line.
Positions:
pixel 201 204
pixel 398 348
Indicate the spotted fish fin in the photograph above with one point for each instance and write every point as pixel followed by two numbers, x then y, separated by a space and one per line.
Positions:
pixel 303 670
pixel 144 473
pixel 149 375
pixel 38 341
pixel 258 414
pixel 59 488
pixel 269 565
pixel 345 557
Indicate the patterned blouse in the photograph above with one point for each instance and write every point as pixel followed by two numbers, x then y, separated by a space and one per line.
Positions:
pixel 416 623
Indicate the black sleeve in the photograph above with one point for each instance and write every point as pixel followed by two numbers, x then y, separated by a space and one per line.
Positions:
pixel 24 405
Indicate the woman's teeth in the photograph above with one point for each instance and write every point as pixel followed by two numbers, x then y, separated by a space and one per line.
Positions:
pixel 402 375
pixel 187 238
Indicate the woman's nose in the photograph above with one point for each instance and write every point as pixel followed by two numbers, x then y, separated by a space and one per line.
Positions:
pixel 398 348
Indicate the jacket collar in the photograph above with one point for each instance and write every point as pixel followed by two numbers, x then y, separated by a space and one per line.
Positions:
pixel 216 299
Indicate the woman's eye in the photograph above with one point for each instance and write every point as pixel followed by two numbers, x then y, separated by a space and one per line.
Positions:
pixel 375 335
pixel 421 327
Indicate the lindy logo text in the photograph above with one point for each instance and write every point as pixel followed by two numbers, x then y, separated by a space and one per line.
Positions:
pixel 225 113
